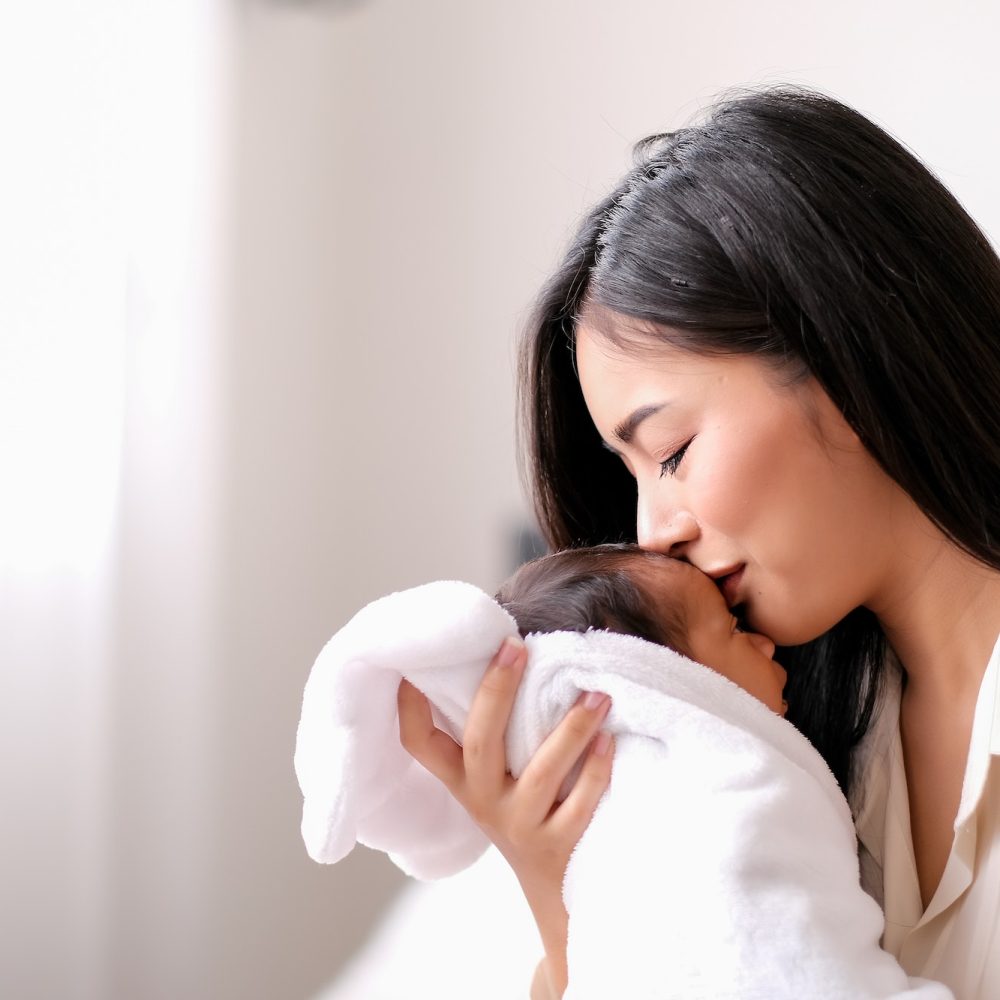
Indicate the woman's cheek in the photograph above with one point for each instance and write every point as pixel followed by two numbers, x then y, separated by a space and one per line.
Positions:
pixel 727 496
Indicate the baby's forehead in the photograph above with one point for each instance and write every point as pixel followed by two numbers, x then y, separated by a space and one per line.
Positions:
pixel 660 563
pixel 668 576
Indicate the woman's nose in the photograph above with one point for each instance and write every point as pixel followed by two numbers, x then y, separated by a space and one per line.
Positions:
pixel 664 531
pixel 765 645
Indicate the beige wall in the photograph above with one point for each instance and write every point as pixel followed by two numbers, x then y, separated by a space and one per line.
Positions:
pixel 394 181
pixel 405 176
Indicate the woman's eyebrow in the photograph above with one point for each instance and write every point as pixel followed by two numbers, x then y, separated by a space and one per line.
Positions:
pixel 625 431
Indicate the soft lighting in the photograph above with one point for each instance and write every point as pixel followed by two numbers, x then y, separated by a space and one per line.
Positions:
pixel 62 305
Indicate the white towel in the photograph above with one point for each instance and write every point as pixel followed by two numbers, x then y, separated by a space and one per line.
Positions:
pixel 720 863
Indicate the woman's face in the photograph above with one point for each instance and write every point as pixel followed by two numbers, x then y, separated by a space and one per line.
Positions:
pixel 763 487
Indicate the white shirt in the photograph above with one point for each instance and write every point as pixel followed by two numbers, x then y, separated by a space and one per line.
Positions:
pixel 956 941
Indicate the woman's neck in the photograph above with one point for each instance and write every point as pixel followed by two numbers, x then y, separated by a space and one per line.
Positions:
pixel 940 610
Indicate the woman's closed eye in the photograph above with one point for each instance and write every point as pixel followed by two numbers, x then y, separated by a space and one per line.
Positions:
pixel 670 465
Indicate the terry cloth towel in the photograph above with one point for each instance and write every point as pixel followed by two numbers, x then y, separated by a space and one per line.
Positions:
pixel 721 861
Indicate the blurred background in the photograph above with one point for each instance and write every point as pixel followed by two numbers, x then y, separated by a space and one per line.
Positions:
pixel 262 268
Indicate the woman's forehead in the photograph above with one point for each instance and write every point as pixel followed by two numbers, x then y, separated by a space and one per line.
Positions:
pixel 652 371
pixel 636 355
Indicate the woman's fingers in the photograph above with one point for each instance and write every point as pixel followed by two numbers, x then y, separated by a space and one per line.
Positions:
pixel 554 759
pixel 483 740
pixel 574 813
pixel 435 750
pixel 476 772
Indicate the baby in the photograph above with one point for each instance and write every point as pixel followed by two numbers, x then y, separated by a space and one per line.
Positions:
pixel 622 588
pixel 721 862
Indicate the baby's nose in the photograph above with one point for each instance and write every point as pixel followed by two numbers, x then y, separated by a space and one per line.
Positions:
pixel 765 645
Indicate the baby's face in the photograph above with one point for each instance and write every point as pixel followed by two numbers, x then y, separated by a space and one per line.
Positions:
pixel 746 658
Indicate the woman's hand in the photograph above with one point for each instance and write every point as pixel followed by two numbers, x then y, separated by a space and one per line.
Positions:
pixel 533 832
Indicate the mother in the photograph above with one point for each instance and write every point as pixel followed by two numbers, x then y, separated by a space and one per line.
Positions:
pixel 774 351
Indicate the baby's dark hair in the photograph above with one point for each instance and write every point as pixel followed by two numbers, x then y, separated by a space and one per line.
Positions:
pixel 599 587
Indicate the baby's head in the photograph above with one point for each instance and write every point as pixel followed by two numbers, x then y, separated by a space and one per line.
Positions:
pixel 624 589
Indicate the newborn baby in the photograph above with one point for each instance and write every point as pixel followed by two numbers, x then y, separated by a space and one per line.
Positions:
pixel 622 588
pixel 721 862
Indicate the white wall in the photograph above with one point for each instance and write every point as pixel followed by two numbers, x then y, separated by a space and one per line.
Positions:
pixel 367 197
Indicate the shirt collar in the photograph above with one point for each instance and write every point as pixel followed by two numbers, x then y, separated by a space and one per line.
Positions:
pixel 985 741
pixel 873 762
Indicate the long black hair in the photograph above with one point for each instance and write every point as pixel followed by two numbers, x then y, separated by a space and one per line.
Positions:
pixel 788 226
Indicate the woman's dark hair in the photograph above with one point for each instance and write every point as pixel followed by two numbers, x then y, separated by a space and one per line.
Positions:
pixel 596 587
pixel 788 226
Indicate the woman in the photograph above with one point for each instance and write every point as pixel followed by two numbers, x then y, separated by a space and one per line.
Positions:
pixel 774 351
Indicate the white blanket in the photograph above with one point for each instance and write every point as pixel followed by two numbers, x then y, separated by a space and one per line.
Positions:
pixel 721 862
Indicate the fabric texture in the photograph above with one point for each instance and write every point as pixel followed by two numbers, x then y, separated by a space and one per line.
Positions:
pixel 720 863
pixel 956 939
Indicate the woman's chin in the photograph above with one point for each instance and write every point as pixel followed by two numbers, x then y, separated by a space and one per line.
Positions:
pixel 781 633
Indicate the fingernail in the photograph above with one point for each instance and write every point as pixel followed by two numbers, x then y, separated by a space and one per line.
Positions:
pixel 510 649
pixel 602 742
pixel 594 700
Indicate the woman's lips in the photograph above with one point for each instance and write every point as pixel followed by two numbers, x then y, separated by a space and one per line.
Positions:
pixel 729 585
